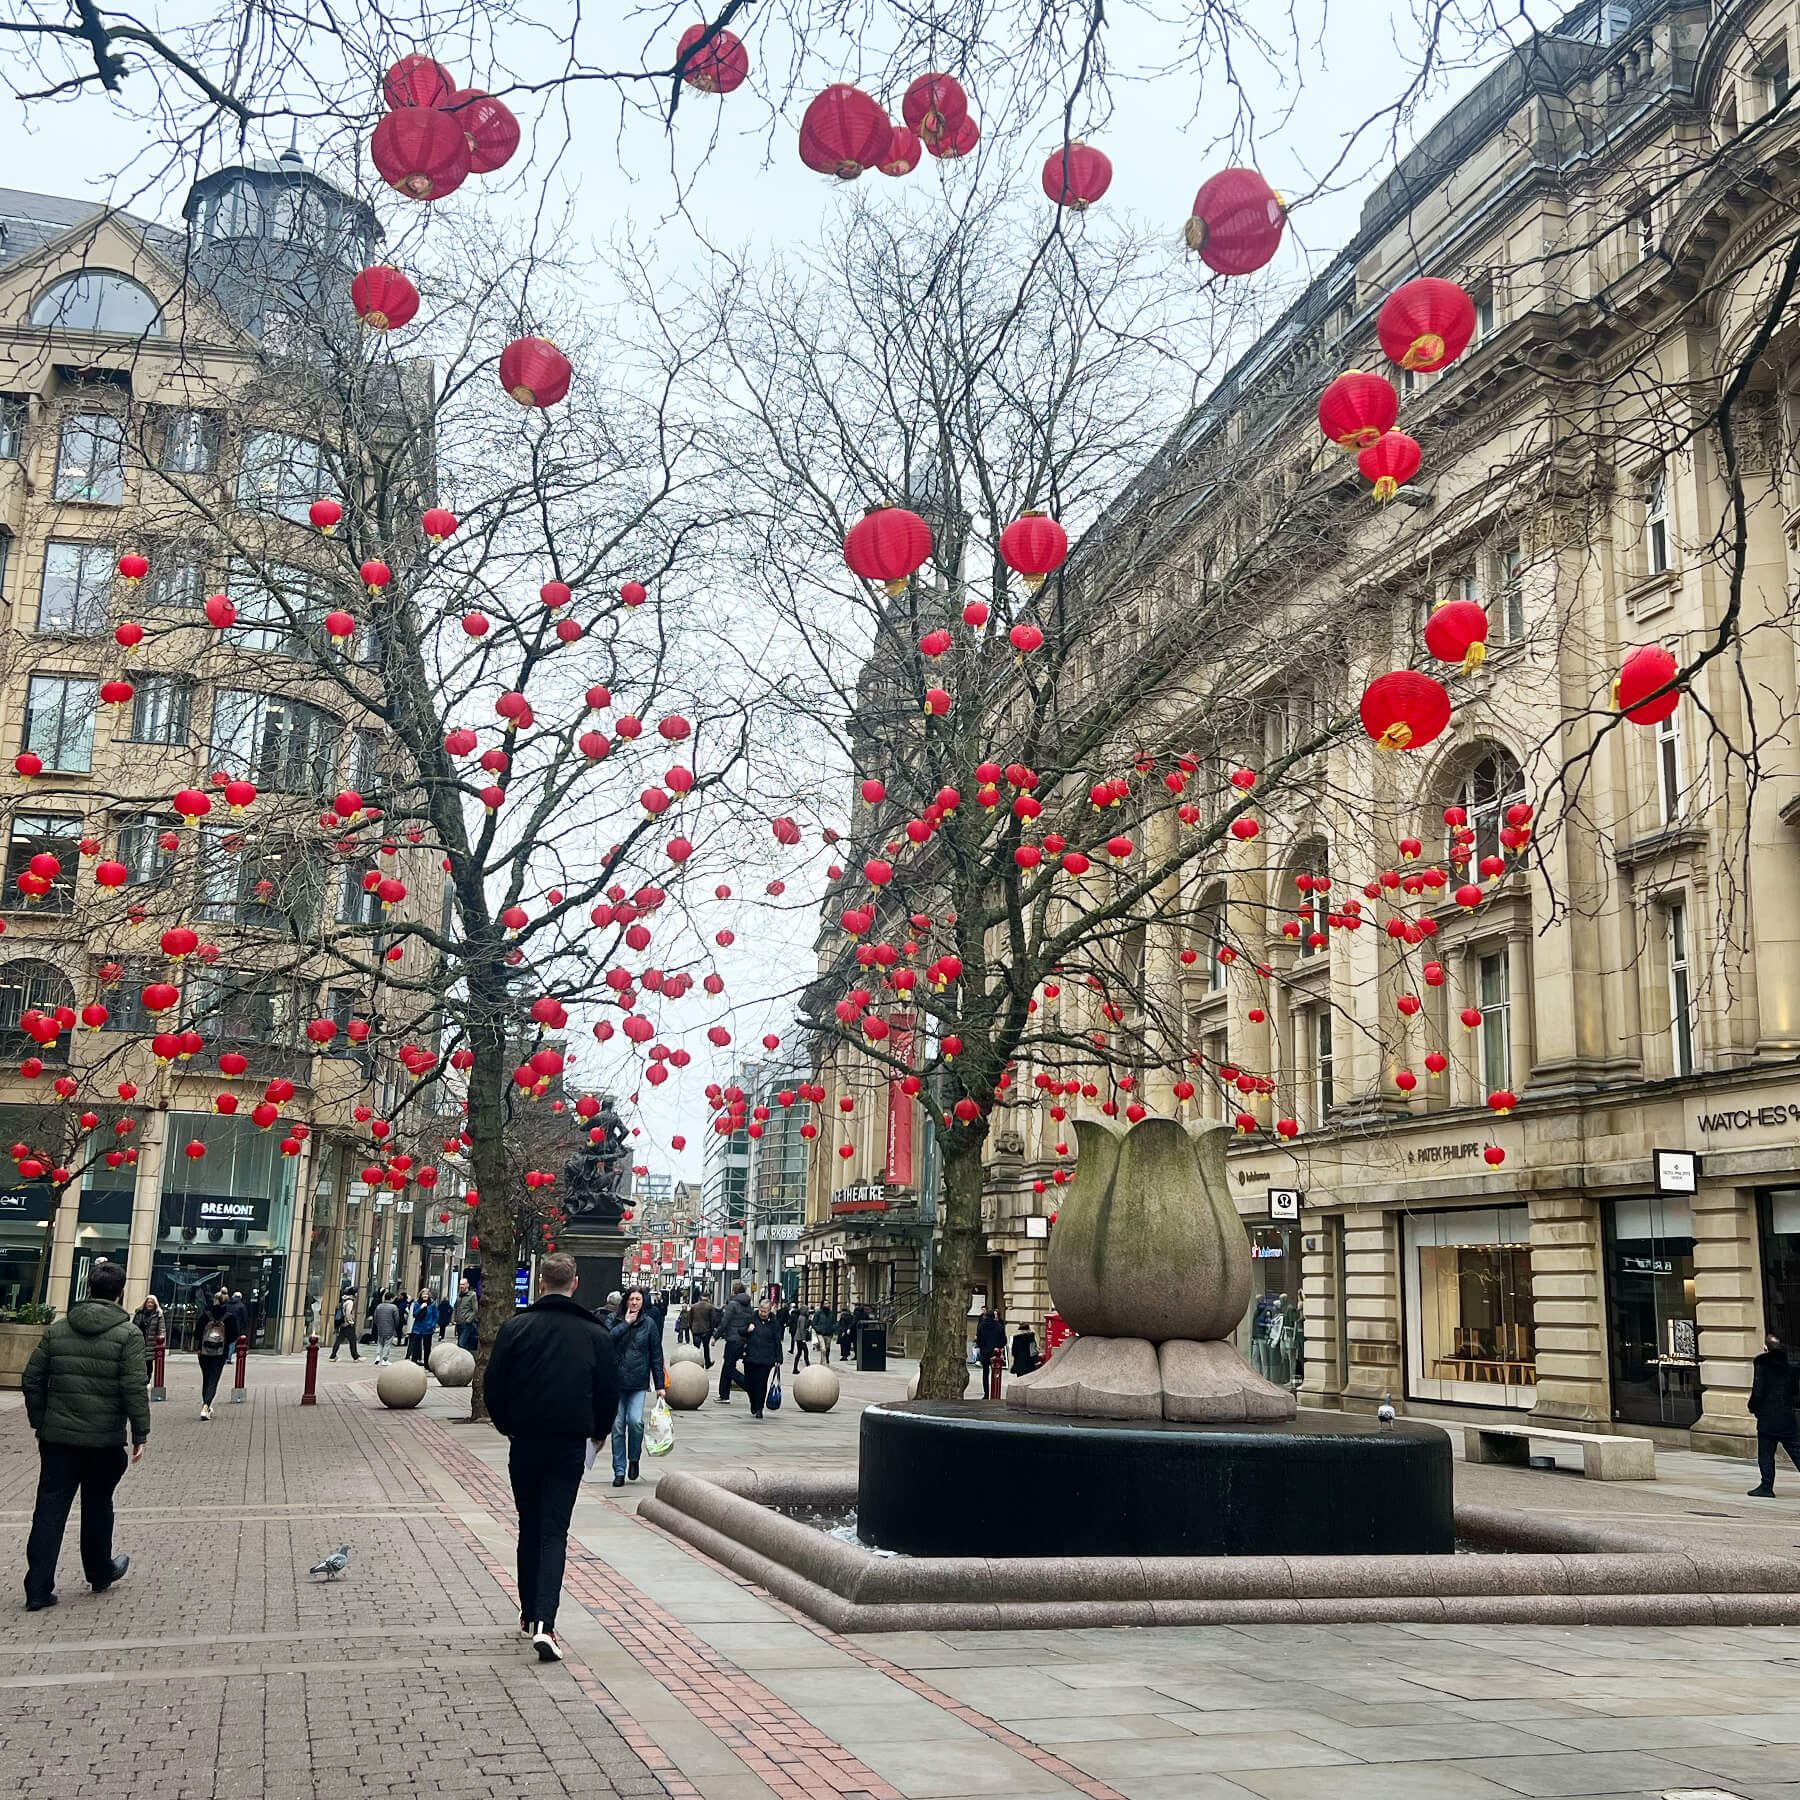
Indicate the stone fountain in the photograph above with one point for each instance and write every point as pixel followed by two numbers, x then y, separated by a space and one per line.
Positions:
pixel 1148 1434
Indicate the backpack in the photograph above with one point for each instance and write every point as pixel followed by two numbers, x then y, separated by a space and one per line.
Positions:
pixel 212 1339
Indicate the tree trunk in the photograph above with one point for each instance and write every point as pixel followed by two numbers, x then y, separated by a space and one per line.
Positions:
pixel 944 1368
pixel 493 1214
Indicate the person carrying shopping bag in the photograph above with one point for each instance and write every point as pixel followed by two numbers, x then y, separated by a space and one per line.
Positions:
pixel 637 1349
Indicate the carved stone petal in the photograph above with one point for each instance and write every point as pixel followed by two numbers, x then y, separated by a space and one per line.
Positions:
pixel 1211 1383
pixel 1097 1377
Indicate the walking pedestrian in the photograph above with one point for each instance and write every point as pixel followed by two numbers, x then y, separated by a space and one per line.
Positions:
pixel 734 1327
pixel 700 1328
pixel 153 1325
pixel 609 1315
pixel 1772 1402
pixel 681 1316
pixel 84 1389
pixel 466 1316
pixel 1024 1351
pixel 446 1317
pixel 240 1315
pixel 990 1346
pixel 217 1341
pixel 825 1328
pixel 387 1327
pixel 800 1324
pixel 638 1358
pixel 762 1357
pixel 424 1322
pixel 344 1331
pixel 551 1386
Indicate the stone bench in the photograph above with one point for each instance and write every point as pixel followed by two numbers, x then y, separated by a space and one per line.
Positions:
pixel 1604 1457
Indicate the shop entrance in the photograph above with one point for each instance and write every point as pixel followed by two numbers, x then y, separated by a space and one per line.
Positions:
pixel 1273 1334
pixel 1470 1330
pixel 1654 1343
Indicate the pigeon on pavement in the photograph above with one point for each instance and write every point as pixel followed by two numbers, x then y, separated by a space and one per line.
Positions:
pixel 334 1565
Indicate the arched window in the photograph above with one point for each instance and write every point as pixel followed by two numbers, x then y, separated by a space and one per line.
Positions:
pixel 1312 904
pixel 98 302
pixel 28 984
pixel 1215 933
pixel 1490 786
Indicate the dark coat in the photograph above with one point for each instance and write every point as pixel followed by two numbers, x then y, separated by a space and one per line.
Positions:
pixel 990 1335
pixel 552 1373
pixel 240 1318
pixel 227 1323
pixel 762 1348
pixel 85 1382
pixel 738 1317
pixel 638 1353
pixel 1024 1353
pixel 700 1318
pixel 825 1322
pixel 1772 1394
pixel 153 1323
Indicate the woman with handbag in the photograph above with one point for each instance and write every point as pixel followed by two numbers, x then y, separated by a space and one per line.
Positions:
pixel 218 1334
pixel 637 1350
pixel 762 1357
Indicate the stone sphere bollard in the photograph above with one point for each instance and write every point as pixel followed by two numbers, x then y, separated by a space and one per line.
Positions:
pixel 912 1386
pixel 453 1365
pixel 685 1353
pixel 815 1388
pixel 687 1386
pixel 402 1384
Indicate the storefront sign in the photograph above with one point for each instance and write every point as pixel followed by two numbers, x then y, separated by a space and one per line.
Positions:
pixel 522 1285
pixel 1744 1118
pixel 1036 1225
pixel 1447 1153
pixel 840 1207
pixel 1678 1171
pixel 1284 1203
pixel 780 1234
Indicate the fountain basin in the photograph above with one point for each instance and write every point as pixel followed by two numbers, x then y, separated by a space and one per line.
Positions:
pixel 950 1479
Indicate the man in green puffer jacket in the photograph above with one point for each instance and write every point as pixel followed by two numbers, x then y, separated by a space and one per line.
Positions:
pixel 84 1387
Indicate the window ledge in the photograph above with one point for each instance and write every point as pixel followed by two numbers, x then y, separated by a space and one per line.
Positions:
pixel 1655 846
pixel 1653 594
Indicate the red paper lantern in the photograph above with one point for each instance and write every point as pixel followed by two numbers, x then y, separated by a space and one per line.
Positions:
pixel 133 567
pixel 634 593
pixel 1237 222
pixel 1357 408
pixel 111 874
pixel 888 545
pixel 220 612
pixel 534 371
pixel 844 132
pixel 488 127
pixel 720 65
pixel 1034 545
pixel 1644 671
pixel 1404 710
pixel 417 81
pixel 420 152
pixel 1077 176
pixel 1457 632
pixel 934 103
pixel 904 149
pixel 1426 324
pixel 438 524
pixel 1390 463
pixel 375 575
pixel 115 693
pixel 959 140
pixel 325 514
pixel 128 635
pixel 383 298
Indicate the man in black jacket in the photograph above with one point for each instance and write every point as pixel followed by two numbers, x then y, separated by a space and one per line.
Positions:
pixel 551 1385
pixel 1772 1384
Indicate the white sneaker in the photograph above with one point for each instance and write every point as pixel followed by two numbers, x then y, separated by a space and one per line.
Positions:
pixel 543 1641
pixel 205 1412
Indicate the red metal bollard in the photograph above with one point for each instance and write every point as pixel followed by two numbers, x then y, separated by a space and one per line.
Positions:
pixel 157 1391
pixel 309 1395
pixel 243 1362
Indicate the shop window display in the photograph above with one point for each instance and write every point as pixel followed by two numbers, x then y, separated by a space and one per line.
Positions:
pixel 1650 1306
pixel 1470 1334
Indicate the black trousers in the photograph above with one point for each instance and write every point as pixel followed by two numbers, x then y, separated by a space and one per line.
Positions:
pixel 703 1342
pixel 756 1380
pixel 546 1476
pixel 211 1368
pixel 346 1334
pixel 65 1470
pixel 1766 1446
pixel 728 1367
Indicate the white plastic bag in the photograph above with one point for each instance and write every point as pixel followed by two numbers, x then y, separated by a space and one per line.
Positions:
pixel 659 1428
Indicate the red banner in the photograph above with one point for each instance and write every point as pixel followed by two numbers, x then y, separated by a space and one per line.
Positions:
pixel 733 1251
pixel 715 1253
pixel 668 1255
pixel 900 1107
pixel 699 1253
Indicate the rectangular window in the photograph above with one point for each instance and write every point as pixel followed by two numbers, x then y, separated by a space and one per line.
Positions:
pixel 1495 1000
pixel 1468 586
pixel 279 607
pixel 1643 233
pixel 1668 769
pixel 1681 991
pixel 1472 1333
pixel 13 410
pixel 174 581
pixel 90 459
pixel 1656 524
pixel 60 835
pixel 1323 1064
pixel 1512 596
pixel 357 905
pixel 281 744
pixel 188 443
pixel 142 852
pixel 1215 1053
pixel 245 1009
pixel 1484 316
pixel 77 586
pixel 246 878
pixel 1217 967
pixel 161 709
pixel 59 722
pixel 1772 75
pixel 280 474
pixel 365 762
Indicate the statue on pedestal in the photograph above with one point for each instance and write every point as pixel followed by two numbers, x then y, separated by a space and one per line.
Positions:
pixel 595 1173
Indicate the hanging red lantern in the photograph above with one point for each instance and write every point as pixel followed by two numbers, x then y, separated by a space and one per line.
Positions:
pixel 904 149
pixel 1357 408
pixel 720 65
pixel 115 693
pixel 488 128
pixel 1077 175
pixel 1237 222
pixel 340 627
pixel 1034 545
pixel 887 545
pixel 844 132
pixel 220 612
pixel 1426 324
pixel 420 152
pixel 438 524
pixel 1457 632
pixel 417 81
pixel 133 568
pixel 325 514
pixel 1390 463
pixel 959 140
pixel 383 298
pixel 1644 671
pixel 375 575
pixel 128 635
pixel 1404 710
pixel 935 105
pixel 534 371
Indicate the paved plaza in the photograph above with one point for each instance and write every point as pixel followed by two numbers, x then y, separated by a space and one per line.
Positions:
pixel 220 1668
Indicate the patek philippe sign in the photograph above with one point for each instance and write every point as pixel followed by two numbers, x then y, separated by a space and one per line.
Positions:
pixel 1446 1153
pixel 1677 1171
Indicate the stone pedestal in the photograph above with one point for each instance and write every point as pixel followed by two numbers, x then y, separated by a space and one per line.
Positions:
pixel 599 1253
pixel 1131 1378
